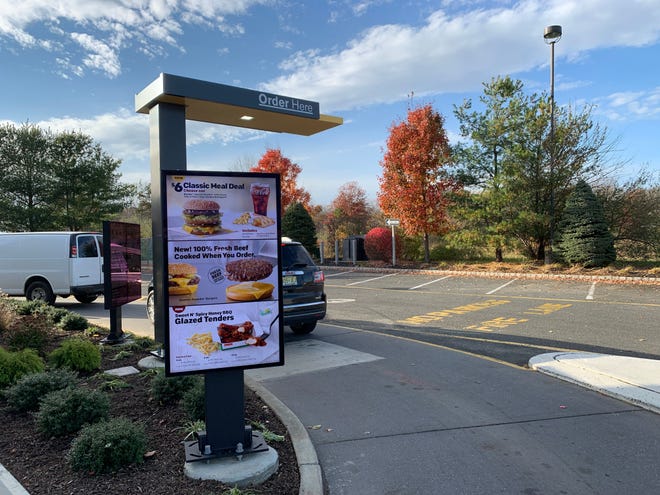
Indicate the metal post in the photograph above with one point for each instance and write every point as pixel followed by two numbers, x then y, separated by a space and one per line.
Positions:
pixel 393 247
pixel 549 257
pixel 354 250
pixel 167 129
pixel 551 35
pixel 225 404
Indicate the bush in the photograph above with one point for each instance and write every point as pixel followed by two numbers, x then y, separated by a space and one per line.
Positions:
pixel 73 322
pixel 378 244
pixel 169 390
pixel 67 410
pixel 76 354
pixel 14 365
pixel 26 393
pixel 32 308
pixel 7 313
pixel 194 401
pixel 107 446
pixel 31 332
pixel 57 314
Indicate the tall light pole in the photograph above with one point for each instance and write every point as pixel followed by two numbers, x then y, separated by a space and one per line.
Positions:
pixel 551 35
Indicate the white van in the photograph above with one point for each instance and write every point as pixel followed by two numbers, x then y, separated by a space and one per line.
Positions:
pixel 43 265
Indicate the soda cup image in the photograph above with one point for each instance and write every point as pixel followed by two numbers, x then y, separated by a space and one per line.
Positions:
pixel 260 194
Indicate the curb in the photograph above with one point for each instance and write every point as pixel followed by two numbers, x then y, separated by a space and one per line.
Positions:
pixel 311 475
pixel 612 279
pixel 573 367
pixel 10 485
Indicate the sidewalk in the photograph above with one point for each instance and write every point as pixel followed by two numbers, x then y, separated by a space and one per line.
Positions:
pixel 633 380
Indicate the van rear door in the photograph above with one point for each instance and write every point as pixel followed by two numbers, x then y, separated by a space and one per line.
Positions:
pixel 86 260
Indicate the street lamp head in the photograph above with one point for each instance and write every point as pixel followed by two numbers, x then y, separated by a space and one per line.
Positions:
pixel 552 34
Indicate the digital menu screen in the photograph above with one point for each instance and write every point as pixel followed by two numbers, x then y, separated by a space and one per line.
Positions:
pixel 222 232
pixel 122 263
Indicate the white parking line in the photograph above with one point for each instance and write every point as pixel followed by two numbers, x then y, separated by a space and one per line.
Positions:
pixel 501 287
pixel 371 279
pixel 339 273
pixel 429 283
pixel 592 290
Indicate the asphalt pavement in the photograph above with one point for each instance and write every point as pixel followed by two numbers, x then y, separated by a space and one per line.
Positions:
pixel 371 417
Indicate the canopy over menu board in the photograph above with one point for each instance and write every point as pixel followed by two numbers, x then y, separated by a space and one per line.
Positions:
pixel 229 105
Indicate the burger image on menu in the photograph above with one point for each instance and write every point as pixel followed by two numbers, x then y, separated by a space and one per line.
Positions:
pixel 182 279
pixel 201 217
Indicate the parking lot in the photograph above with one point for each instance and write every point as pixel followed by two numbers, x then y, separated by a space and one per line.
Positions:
pixel 593 315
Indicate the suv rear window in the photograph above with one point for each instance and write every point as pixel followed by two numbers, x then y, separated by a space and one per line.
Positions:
pixel 295 255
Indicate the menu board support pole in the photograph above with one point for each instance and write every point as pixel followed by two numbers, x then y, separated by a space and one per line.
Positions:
pixel 116 335
pixel 167 141
pixel 225 403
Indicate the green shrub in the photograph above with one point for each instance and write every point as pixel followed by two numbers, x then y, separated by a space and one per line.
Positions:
pixel 67 410
pixel 140 343
pixel 14 365
pixel 194 401
pixel 26 393
pixel 32 308
pixel 57 314
pixel 73 322
pixel 76 354
pixel 107 446
pixel 169 390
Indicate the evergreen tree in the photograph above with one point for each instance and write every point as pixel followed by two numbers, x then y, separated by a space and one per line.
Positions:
pixel 297 224
pixel 585 238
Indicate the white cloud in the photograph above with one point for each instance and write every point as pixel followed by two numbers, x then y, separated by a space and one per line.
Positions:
pixel 103 28
pixel 631 105
pixel 125 135
pixel 457 52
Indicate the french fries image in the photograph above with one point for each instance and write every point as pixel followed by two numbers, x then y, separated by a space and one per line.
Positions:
pixel 204 343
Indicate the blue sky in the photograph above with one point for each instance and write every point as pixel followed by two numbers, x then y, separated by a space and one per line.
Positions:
pixel 77 64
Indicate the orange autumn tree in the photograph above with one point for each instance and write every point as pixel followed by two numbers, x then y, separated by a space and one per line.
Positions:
pixel 349 212
pixel 274 162
pixel 414 186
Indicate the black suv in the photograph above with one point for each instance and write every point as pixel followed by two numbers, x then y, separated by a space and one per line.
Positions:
pixel 302 295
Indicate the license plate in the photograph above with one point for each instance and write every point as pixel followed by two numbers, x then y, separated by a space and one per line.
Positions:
pixel 289 280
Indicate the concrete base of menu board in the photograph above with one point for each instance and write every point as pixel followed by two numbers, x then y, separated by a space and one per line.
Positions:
pixel 250 470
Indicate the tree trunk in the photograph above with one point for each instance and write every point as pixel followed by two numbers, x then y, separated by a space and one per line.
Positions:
pixel 540 251
pixel 498 254
pixel 427 251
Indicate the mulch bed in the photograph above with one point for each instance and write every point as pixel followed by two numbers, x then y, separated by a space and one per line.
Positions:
pixel 39 463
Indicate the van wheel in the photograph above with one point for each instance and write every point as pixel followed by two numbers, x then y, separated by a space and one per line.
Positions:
pixel 40 291
pixel 86 299
pixel 303 328
pixel 150 306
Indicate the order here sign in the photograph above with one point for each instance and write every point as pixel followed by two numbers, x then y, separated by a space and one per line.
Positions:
pixel 222 239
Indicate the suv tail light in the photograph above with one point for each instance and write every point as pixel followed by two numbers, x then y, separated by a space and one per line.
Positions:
pixel 318 276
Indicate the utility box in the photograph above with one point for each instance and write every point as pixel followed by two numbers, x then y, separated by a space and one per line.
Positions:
pixel 353 249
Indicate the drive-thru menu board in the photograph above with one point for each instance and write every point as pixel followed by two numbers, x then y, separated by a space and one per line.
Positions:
pixel 222 233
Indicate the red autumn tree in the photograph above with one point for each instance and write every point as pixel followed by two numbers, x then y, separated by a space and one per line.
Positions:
pixel 274 162
pixel 349 212
pixel 414 186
